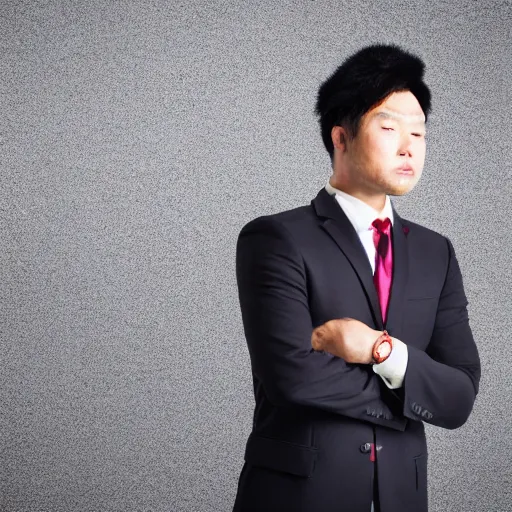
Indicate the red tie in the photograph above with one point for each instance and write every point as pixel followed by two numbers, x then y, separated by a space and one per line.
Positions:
pixel 383 262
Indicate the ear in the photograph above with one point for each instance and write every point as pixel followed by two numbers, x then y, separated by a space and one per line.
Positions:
pixel 339 138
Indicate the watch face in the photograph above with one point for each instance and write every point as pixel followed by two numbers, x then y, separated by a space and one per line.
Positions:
pixel 384 349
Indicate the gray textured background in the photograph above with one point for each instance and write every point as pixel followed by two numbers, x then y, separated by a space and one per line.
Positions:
pixel 137 138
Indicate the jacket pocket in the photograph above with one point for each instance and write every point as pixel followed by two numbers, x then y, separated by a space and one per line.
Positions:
pixel 278 455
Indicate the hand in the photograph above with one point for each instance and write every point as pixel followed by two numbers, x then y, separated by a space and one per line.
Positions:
pixel 347 338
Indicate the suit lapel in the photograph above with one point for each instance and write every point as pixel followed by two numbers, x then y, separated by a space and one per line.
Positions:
pixel 400 276
pixel 340 229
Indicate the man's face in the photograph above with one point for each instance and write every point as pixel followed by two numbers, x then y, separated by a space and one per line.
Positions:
pixel 391 139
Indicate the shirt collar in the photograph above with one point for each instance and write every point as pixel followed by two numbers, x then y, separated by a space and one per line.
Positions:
pixel 360 214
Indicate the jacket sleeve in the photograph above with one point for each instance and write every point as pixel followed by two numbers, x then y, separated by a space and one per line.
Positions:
pixel 441 383
pixel 272 289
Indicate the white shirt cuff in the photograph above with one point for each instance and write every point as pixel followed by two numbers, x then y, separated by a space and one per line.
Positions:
pixel 392 370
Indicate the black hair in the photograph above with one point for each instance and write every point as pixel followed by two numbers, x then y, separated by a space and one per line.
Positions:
pixel 364 80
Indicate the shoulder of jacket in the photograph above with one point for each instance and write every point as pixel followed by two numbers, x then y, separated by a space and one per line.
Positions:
pixel 288 219
pixel 424 231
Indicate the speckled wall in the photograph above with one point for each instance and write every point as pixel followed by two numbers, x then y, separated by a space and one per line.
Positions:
pixel 137 138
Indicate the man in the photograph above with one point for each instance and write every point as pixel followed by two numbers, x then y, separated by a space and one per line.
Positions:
pixel 355 318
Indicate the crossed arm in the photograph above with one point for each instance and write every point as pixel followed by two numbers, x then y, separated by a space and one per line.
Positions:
pixel 273 298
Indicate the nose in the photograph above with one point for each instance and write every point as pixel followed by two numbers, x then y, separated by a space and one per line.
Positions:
pixel 406 144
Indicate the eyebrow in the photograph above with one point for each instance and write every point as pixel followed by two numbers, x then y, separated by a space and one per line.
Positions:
pixel 416 119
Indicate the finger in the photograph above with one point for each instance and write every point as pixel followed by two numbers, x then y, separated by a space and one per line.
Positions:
pixel 317 339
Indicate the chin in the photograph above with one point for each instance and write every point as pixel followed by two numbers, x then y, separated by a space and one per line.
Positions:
pixel 404 185
pixel 400 190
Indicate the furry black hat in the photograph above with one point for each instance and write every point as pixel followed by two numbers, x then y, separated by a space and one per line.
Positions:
pixel 364 80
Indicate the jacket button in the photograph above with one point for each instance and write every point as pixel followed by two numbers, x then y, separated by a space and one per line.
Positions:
pixel 366 447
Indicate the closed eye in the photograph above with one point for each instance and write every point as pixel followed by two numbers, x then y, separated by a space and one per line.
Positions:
pixel 385 128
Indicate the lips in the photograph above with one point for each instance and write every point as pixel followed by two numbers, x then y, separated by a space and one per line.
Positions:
pixel 405 169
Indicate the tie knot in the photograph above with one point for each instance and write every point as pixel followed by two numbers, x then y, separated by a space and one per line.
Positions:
pixel 382 225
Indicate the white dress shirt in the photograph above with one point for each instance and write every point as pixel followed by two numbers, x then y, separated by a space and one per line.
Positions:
pixel 361 215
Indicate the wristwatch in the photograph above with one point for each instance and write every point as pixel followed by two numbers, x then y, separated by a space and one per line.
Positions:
pixel 382 348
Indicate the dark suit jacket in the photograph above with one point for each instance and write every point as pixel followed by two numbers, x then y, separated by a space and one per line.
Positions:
pixel 315 414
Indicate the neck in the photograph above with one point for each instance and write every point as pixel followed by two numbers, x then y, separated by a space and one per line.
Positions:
pixel 376 201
